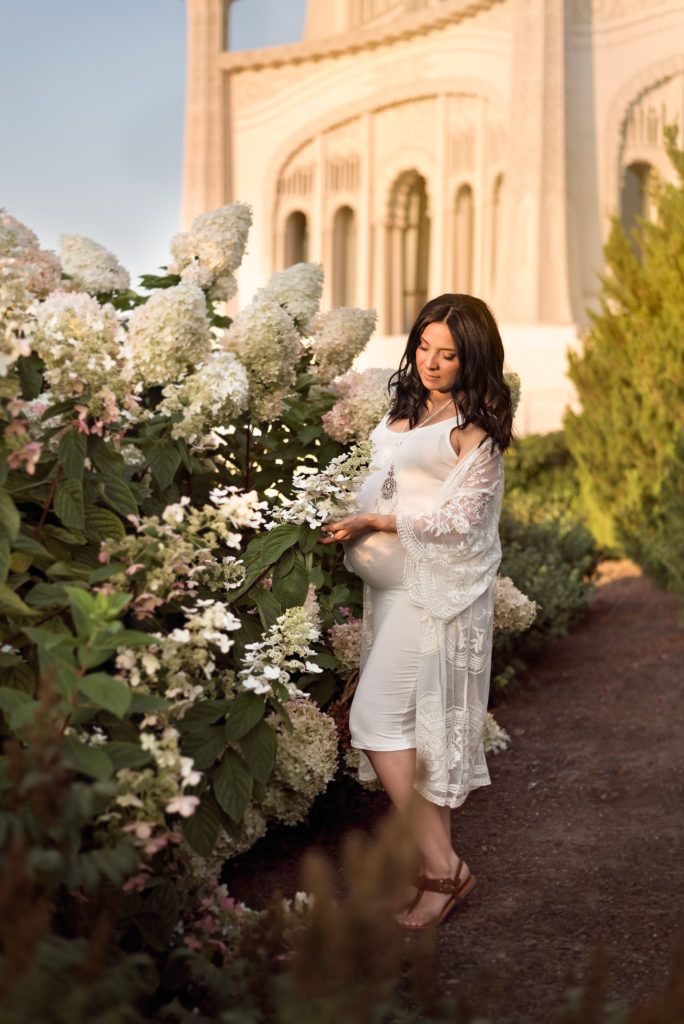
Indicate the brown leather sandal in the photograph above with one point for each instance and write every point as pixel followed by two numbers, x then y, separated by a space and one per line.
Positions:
pixel 452 887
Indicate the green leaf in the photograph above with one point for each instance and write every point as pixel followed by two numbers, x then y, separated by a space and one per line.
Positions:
pixel 68 503
pixel 119 495
pixel 164 460
pixel 107 571
pixel 11 699
pixel 246 710
pixel 128 638
pixel 107 460
pixel 259 750
pixel 71 453
pixel 206 712
pixel 90 761
pixel 268 605
pixel 232 785
pixel 127 755
pixel 28 371
pixel 202 828
pixel 141 703
pixel 100 523
pixel 204 745
pixel 279 540
pixel 57 409
pixel 12 604
pixel 291 590
pixel 9 516
pixel 106 692
pixel 308 538
pixel 30 546
pixel 46 595
pixel 5 557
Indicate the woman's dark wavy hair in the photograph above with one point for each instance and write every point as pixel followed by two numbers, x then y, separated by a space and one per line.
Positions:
pixel 480 392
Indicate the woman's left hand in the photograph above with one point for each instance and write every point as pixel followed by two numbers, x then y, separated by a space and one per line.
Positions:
pixel 360 522
pixel 347 528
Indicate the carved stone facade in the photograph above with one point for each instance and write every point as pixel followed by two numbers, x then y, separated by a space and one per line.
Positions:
pixel 421 146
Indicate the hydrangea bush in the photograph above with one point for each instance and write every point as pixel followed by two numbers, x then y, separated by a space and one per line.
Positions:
pixel 164 606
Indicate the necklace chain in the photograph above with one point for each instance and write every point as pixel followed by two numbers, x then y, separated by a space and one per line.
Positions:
pixel 388 491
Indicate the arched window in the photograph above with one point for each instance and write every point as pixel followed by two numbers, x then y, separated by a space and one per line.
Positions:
pixel 463 240
pixel 496 227
pixel 634 200
pixel 296 239
pixel 409 250
pixel 344 257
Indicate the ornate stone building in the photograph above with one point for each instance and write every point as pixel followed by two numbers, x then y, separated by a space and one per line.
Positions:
pixel 421 146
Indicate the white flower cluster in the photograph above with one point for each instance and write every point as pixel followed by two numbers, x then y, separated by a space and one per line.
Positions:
pixel 280 651
pixel 24 266
pixel 208 399
pixel 298 289
pixel 208 254
pixel 169 334
pixel 364 401
pixel 346 643
pixel 494 736
pixel 81 343
pixel 92 268
pixel 146 795
pixel 26 272
pixel 306 761
pixel 264 338
pixel 513 610
pixel 330 494
pixel 175 663
pixel 174 553
pixel 338 337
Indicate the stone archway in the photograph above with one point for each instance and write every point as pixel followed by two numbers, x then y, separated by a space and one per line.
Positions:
pixel 344 257
pixel 296 239
pixel 408 249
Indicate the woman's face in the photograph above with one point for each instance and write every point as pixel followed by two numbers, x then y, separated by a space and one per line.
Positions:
pixel 436 359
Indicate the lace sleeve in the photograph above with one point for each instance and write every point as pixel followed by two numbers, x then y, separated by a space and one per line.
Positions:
pixel 454 551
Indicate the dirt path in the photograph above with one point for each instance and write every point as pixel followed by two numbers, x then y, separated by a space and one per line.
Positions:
pixel 579 840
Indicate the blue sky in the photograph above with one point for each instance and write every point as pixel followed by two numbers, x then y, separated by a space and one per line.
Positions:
pixel 91 123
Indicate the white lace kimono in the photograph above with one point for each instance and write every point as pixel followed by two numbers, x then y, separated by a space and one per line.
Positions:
pixel 452 555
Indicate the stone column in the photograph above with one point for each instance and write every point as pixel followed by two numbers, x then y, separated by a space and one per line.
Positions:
pixel 364 264
pixel 439 204
pixel 532 273
pixel 206 165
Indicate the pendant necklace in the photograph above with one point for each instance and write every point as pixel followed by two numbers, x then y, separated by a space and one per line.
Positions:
pixel 387 501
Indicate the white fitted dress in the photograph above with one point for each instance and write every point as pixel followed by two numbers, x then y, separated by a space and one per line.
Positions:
pixel 428 607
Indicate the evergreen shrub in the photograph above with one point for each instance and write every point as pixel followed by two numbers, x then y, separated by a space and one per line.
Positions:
pixel 630 381
pixel 541 476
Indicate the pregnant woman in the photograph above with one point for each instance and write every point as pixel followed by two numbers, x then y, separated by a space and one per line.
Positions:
pixel 426 545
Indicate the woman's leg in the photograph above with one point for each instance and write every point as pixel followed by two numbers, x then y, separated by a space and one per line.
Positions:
pixel 429 824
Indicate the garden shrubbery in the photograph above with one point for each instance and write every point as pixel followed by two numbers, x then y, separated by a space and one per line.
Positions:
pixel 627 439
pixel 170 631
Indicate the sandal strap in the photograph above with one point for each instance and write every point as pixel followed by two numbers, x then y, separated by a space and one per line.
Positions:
pixel 446 886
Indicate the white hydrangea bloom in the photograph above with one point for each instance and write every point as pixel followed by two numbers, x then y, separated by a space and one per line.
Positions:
pixel 23 264
pixel 208 399
pixel 306 761
pixel 513 610
pixel 266 342
pixel 26 272
pixel 299 290
pixel 338 337
pixel 330 494
pixel 494 736
pixel 169 334
pixel 93 268
pixel 81 343
pixel 364 400
pixel 280 652
pixel 212 249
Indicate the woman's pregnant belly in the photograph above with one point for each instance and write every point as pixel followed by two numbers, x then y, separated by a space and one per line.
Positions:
pixel 378 558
